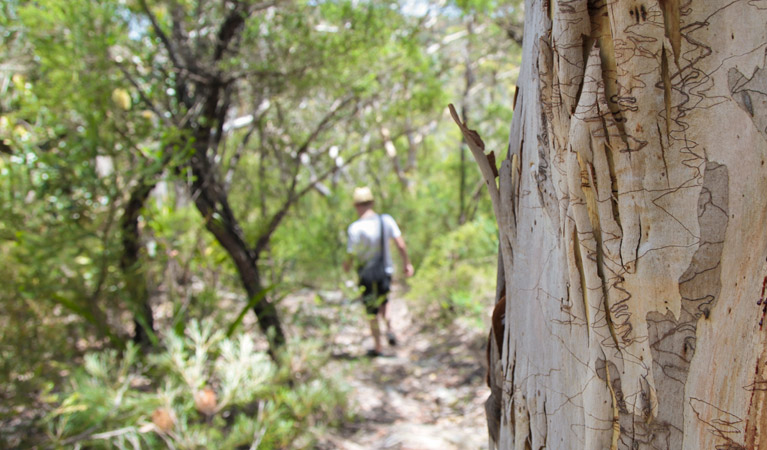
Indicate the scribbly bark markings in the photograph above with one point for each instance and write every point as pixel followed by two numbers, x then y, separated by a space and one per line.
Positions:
pixel 672 340
pixel 751 95
pixel 619 176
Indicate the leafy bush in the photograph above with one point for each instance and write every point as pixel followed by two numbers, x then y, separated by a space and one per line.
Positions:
pixel 458 273
pixel 202 391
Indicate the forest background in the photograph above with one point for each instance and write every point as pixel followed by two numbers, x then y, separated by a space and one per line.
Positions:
pixel 169 169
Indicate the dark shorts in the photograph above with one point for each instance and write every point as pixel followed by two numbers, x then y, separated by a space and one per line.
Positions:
pixel 374 296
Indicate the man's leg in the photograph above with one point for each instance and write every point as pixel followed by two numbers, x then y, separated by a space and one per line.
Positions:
pixel 375 305
pixel 372 309
pixel 383 312
pixel 389 332
pixel 375 330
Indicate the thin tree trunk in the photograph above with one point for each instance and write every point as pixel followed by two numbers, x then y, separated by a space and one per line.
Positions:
pixel 219 220
pixel 468 83
pixel 412 148
pixel 631 210
pixel 391 152
pixel 130 262
pixel 205 91
pixel 212 202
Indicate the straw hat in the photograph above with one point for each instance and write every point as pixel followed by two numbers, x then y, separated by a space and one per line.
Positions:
pixel 362 195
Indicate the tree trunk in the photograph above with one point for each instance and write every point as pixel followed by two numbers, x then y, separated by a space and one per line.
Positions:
pixel 630 210
pixel 213 204
pixel 130 261
pixel 212 201
pixel 468 76
pixel 205 90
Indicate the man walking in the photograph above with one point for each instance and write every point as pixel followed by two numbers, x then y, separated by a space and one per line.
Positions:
pixel 369 252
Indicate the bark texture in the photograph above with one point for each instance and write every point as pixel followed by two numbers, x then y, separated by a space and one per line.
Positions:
pixel 631 211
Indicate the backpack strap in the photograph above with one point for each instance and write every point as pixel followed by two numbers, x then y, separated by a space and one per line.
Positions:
pixel 383 239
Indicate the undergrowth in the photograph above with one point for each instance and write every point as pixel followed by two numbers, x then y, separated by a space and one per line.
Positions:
pixel 201 391
pixel 457 277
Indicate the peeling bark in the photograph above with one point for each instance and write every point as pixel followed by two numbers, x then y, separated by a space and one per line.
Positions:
pixel 631 227
pixel 495 373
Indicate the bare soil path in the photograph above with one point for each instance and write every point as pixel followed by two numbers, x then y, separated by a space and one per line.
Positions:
pixel 426 393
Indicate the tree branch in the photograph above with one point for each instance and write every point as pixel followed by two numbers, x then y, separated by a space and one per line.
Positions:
pixel 329 172
pixel 238 153
pixel 142 95
pixel 477 147
pixel 161 34
pixel 262 74
pixel 324 123
pixel 229 29
pixel 263 239
pixel 391 152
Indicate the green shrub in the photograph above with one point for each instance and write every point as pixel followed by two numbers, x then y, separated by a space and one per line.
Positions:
pixel 458 273
pixel 202 391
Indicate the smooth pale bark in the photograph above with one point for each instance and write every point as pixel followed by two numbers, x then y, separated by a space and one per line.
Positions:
pixel 632 210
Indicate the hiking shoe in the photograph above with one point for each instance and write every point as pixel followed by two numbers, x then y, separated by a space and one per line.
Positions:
pixel 372 353
pixel 391 338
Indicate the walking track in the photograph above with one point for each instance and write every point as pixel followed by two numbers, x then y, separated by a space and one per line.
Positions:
pixel 426 393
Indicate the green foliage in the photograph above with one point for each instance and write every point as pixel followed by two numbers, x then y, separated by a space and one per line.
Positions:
pixel 68 119
pixel 458 274
pixel 311 245
pixel 90 108
pixel 202 391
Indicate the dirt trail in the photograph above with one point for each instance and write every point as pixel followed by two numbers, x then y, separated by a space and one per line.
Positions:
pixel 426 393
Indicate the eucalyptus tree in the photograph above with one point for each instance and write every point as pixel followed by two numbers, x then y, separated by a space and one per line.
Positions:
pixel 630 208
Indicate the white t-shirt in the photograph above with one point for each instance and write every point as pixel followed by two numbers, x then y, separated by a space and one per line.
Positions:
pixel 365 239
